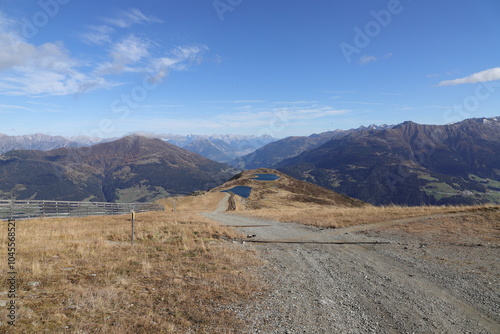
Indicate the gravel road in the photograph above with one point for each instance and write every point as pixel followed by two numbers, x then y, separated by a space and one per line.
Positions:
pixel 353 281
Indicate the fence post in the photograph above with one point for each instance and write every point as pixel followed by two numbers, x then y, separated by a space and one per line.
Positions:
pixel 133 223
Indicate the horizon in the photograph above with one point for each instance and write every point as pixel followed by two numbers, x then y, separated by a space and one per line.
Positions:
pixel 110 70
pixel 164 135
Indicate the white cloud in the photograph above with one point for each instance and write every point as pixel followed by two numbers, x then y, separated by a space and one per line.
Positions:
pixel 248 101
pixel 99 35
pixel 129 50
pixel 132 55
pixel 41 82
pixel 435 75
pixel 360 102
pixel 178 59
pixel 367 59
pixel 264 115
pixel 315 113
pixel 127 18
pixel 45 104
pixel 15 53
pixel 160 107
pixel 491 74
pixel 9 107
pixel 244 108
pixel 102 34
pixel 50 69
pixel 294 102
pixel 235 101
pixel 387 94
pixel 27 69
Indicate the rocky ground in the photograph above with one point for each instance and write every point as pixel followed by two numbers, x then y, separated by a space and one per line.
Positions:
pixel 382 278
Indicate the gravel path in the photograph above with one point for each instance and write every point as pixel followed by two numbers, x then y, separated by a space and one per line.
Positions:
pixel 353 281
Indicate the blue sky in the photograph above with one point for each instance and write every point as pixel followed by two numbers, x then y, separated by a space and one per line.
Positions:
pixel 277 67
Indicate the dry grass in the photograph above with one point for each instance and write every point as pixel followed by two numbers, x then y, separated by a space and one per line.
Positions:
pixel 337 217
pixel 204 203
pixel 478 227
pixel 178 277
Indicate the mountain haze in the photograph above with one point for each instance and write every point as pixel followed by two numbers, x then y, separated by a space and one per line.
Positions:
pixel 221 148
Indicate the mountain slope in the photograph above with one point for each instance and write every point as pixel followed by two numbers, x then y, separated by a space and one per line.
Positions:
pixel 410 164
pixel 273 153
pixel 130 169
pixel 285 192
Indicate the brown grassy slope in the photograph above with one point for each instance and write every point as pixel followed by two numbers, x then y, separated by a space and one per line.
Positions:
pixel 337 217
pixel 177 277
pixel 477 227
pixel 285 192
pixel 291 200
pixel 193 204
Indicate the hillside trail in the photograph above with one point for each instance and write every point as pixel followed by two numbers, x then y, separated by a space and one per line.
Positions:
pixel 346 281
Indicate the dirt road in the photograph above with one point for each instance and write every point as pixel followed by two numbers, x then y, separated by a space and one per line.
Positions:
pixel 357 281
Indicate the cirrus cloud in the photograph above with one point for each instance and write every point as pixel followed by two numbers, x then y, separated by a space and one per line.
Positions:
pixel 127 18
pixel 491 74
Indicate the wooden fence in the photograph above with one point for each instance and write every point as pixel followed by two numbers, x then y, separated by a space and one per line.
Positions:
pixel 14 209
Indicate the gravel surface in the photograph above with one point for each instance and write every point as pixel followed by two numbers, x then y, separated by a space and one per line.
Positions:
pixel 367 280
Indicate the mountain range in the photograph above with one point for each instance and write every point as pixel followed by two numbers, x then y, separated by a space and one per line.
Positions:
pixel 44 142
pixel 130 169
pixel 289 147
pixel 410 164
pixel 220 148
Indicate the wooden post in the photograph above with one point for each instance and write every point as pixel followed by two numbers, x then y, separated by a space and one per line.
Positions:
pixel 133 222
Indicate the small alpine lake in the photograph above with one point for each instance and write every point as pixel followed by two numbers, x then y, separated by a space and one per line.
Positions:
pixel 265 177
pixel 240 191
